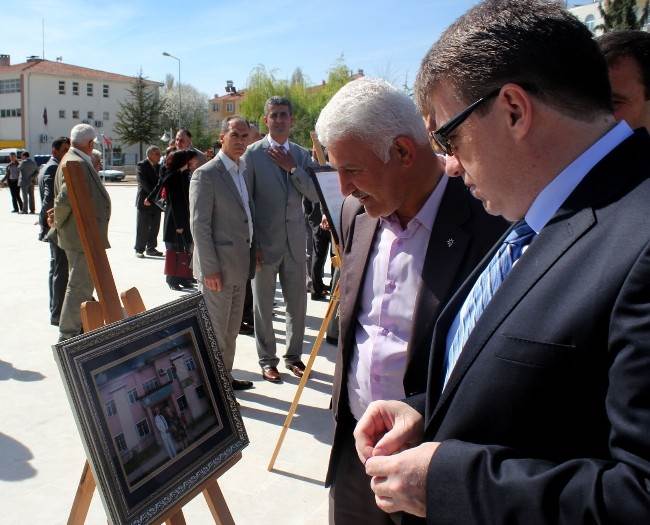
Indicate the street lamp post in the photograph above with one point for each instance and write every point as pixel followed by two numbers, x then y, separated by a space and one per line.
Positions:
pixel 179 85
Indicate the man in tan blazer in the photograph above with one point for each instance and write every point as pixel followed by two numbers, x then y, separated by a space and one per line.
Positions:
pixel 64 232
pixel 221 220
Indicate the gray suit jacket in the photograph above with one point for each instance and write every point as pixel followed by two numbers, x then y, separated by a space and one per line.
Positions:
pixel 219 225
pixel 279 219
pixel 64 221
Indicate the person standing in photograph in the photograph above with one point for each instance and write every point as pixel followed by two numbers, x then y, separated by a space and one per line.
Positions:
pixel 165 434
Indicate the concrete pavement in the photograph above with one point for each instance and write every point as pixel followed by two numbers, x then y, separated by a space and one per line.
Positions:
pixel 41 455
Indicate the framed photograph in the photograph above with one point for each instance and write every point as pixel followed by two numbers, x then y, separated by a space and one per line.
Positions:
pixel 154 406
pixel 326 180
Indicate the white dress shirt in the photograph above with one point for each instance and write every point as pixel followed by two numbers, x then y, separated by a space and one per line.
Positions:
pixel 236 171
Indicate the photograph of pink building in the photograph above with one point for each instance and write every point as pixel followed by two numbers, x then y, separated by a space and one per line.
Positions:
pixel 156 406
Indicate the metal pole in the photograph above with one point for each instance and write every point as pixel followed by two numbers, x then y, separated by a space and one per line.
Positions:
pixel 180 107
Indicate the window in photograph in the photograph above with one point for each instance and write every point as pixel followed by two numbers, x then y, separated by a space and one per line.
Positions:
pixel 90 115
pixel 61 87
pixel 111 410
pixel 75 88
pixel 133 396
pixel 62 113
pixel 182 403
pixel 143 428
pixel 105 90
pixel 200 392
pixel 120 442
pixel 189 363
pixel 75 113
pixel 151 385
pixel 89 89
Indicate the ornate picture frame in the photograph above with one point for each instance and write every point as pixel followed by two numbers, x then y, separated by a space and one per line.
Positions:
pixel 154 406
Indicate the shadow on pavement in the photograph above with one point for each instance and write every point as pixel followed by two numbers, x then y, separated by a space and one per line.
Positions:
pixel 14 460
pixel 320 483
pixel 7 371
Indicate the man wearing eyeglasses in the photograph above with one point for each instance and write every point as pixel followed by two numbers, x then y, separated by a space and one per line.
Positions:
pixel 410 237
pixel 537 406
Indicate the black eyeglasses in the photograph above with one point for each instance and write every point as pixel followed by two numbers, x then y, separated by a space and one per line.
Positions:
pixel 441 135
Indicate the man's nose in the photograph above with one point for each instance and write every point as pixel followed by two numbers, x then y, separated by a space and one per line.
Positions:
pixel 453 166
pixel 345 185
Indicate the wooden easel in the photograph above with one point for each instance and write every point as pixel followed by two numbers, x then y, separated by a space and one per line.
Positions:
pixel 331 311
pixel 109 310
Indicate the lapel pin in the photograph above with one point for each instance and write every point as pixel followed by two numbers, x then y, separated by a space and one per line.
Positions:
pixel 450 242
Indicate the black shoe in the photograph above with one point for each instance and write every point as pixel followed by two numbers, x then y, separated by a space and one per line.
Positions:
pixel 240 384
pixel 175 286
pixel 246 329
pixel 154 253
pixel 332 340
pixel 139 255
pixel 186 283
pixel 319 296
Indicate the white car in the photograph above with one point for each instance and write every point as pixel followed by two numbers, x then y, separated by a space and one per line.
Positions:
pixel 112 175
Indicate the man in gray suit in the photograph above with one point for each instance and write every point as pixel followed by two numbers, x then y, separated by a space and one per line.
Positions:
pixel 28 172
pixel 277 170
pixel 221 220
pixel 64 226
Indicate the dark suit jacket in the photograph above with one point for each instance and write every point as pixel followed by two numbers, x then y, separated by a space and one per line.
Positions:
pixel 147 177
pixel 460 218
pixel 46 189
pixel 546 416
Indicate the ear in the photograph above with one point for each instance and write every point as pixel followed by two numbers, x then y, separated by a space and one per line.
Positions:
pixel 404 149
pixel 518 109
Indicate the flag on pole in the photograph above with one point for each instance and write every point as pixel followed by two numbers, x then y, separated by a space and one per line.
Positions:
pixel 45 117
pixel 108 141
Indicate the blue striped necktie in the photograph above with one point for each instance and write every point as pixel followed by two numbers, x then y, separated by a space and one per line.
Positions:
pixel 485 287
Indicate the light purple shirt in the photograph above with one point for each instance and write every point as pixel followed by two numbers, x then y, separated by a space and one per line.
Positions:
pixel 385 319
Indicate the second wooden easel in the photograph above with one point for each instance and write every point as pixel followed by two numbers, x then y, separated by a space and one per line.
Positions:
pixel 109 310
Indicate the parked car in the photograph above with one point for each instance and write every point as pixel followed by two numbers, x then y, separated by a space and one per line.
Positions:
pixel 112 175
pixel 4 158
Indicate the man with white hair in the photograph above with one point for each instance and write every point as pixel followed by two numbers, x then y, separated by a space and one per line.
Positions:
pixel 80 285
pixel 420 236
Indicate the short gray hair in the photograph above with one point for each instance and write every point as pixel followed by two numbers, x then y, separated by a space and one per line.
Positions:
pixel 276 100
pixel 151 149
pixel 225 123
pixel 371 110
pixel 82 134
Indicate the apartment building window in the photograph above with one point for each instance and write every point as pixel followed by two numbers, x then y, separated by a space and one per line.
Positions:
pixel 90 115
pixel 230 107
pixel 182 403
pixel 6 113
pixel 105 115
pixel 75 88
pixel 143 428
pixel 150 385
pixel 120 443
pixel 89 89
pixel 62 113
pixel 189 364
pixel 11 85
pixel 75 113
pixel 111 410
pixel 133 396
pixel 61 87
pixel 215 106
pixel 99 124
pixel 105 90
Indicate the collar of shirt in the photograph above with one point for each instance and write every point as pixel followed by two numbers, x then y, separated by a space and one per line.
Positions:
pixel 275 144
pixel 82 155
pixel 230 165
pixel 427 214
pixel 558 190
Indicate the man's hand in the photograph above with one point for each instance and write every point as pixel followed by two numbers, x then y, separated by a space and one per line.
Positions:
pixel 213 282
pixel 282 158
pixel 147 202
pixel 387 427
pixel 324 223
pixel 400 481
pixel 259 259
pixel 179 230
pixel 50 217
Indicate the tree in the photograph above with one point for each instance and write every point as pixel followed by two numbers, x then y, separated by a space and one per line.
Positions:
pixel 138 116
pixel 621 15
pixel 307 101
pixel 194 111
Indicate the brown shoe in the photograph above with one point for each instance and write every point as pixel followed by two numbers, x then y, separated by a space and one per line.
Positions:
pixel 297 368
pixel 270 373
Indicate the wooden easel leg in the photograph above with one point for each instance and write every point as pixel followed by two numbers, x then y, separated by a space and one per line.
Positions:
pixel 176 519
pixel 331 310
pixel 82 498
pixel 217 503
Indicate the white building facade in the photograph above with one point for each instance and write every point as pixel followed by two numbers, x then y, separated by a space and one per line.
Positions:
pixel 41 100
pixel 589 14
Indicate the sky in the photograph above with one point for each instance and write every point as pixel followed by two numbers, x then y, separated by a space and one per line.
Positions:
pixel 218 41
